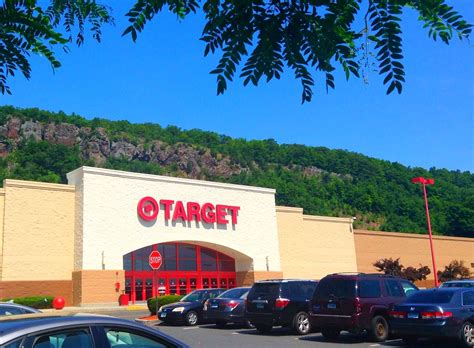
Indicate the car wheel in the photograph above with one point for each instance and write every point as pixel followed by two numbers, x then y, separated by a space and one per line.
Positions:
pixel 263 329
pixel 467 334
pixel 221 324
pixel 191 318
pixel 301 323
pixel 410 341
pixel 330 333
pixel 379 329
pixel 248 324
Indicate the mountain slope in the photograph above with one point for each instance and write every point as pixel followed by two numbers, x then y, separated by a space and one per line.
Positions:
pixel 40 145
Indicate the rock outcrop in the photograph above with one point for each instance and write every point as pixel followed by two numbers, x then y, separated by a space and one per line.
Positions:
pixel 97 146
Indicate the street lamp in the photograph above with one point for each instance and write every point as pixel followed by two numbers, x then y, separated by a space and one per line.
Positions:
pixel 424 182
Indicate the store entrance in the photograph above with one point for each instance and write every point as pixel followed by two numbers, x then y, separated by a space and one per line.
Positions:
pixel 185 267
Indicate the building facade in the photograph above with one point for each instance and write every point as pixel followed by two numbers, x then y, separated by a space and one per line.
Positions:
pixel 110 232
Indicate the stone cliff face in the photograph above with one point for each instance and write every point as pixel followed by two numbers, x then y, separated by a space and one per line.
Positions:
pixel 97 145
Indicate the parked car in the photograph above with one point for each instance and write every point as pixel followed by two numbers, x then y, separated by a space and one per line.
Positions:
pixel 280 302
pixel 189 310
pixel 10 308
pixel 437 313
pixel 84 331
pixel 462 283
pixel 357 302
pixel 228 307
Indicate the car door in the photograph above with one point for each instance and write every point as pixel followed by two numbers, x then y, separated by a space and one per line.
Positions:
pixel 394 292
pixel 467 305
pixel 121 337
pixel 408 287
pixel 77 337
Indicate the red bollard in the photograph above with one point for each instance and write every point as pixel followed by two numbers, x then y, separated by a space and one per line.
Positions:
pixel 58 302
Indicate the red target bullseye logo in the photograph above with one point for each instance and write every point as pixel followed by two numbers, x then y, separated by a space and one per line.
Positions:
pixel 148 208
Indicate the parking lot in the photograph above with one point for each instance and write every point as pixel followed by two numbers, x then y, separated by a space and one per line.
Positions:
pixel 234 336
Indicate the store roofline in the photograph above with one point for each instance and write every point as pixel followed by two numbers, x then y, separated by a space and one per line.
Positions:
pixel 169 179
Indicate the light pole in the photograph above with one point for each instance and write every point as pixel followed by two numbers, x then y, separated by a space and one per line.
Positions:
pixel 425 182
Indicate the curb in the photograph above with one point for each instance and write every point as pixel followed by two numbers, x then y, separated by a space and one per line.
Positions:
pixel 147 321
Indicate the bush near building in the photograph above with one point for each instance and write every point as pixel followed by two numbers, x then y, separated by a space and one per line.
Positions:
pixel 454 271
pixel 395 268
pixel 38 302
pixel 156 302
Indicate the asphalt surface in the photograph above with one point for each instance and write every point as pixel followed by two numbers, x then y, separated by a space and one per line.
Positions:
pixel 235 336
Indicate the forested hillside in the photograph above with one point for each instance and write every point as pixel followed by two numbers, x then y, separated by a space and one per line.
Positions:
pixel 44 146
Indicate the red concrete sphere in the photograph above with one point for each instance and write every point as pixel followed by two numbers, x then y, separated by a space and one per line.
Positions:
pixel 59 302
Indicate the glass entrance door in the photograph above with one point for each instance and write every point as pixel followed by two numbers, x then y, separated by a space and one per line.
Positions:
pixel 185 267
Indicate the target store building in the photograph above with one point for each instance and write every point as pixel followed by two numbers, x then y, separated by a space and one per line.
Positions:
pixel 108 233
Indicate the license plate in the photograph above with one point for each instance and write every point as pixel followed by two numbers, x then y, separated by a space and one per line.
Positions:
pixel 163 315
pixel 214 305
pixel 260 305
pixel 331 305
pixel 413 315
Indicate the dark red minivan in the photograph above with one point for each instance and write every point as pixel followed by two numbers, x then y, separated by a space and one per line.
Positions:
pixel 356 302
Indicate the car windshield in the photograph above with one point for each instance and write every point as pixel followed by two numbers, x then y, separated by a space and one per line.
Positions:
pixel 431 297
pixel 337 287
pixel 458 285
pixel 234 293
pixel 267 290
pixel 194 296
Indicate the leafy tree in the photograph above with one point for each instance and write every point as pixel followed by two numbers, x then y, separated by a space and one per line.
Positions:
pixel 393 267
pixel 389 266
pixel 413 274
pixel 258 37
pixel 41 161
pixel 455 270
pixel 307 35
pixel 26 28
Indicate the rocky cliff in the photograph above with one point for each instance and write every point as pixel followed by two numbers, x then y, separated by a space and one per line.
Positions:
pixel 98 146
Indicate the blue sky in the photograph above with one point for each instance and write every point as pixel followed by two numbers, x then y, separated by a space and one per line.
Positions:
pixel 164 78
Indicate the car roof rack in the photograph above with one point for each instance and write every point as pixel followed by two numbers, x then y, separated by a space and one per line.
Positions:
pixel 361 274
pixel 286 280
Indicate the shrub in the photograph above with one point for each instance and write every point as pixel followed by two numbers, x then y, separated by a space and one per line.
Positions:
pixel 395 268
pixel 154 302
pixel 38 302
pixel 455 270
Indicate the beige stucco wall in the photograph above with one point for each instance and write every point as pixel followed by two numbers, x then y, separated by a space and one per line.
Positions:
pixel 412 249
pixel 38 229
pixel 107 222
pixel 313 246
pixel 2 208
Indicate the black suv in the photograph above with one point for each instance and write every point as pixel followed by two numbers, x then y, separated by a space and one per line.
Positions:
pixel 356 302
pixel 280 302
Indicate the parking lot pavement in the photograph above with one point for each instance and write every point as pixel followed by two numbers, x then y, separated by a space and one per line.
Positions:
pixel 233 336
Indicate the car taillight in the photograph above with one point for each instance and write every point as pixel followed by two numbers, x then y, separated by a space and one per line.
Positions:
pixel 358 306
pixel 231 304
pixel 281 302
pixel 436 315
pixel 397 314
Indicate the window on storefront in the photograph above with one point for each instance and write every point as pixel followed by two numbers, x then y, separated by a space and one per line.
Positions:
pixel 226 263
pixel 168 253
pixel 140 259
pixel 208 260
pixel 179 257
pixel 187 257
pixel 185 267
